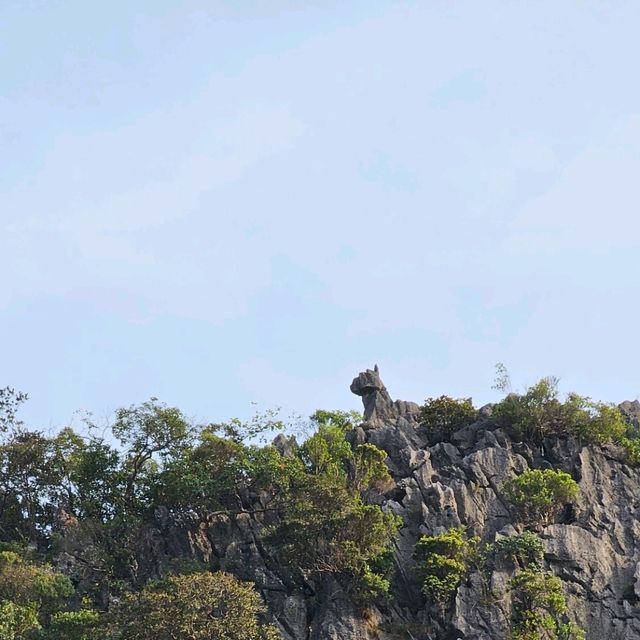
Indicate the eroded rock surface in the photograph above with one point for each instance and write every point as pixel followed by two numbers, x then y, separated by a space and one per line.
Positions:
pixel 593 548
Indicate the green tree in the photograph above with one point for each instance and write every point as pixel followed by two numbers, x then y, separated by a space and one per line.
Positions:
pixel 444 416
pixel 593 422
pixel 632 450
pixel 533 415
pixel 326 525
pixel 539 413
pixel 538 494
pixel 443 561
pixel 539 608
pixel 199 606
pixel 150 432
pixel 257 427
pixel 523 549
pixel 17 622
pixel 91 478
pixel 28 484
pixel 10 401
pixel 29 595
pixel 85 624
pixel 345 420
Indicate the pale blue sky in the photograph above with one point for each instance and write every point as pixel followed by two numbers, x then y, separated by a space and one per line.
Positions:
pixel 220 203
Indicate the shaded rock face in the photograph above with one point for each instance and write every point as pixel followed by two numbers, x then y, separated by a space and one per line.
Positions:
pixel 593 547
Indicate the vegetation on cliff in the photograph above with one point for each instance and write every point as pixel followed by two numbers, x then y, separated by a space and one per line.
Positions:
pixel 312 501
pixel 319 511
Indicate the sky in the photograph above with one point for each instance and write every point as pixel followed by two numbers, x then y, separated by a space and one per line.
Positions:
pixel 237 204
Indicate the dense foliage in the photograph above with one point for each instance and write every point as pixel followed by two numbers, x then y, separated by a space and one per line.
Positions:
pixel 326 525
pixel 540 413
pixel 443 416
pixel 539 608
pixel 311 504
pixel 538 494
pixel 443 561
pixel 199 606
pixel 522 550
pixel 29 596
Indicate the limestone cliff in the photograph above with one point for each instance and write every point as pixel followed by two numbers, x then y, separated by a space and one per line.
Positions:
pixel 592 546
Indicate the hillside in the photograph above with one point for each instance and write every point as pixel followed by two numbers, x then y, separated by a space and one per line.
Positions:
pixel 415 522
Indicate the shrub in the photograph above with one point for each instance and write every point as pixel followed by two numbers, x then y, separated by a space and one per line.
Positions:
pixel 17 622
pixel 593 422
pixel 72 625
pixel 534 415
pixel 29 585
pixel 198 606
pixel 444 416
pixel 539 413
pixel 539 608
pixel 539 494
pixel 443 561
pixel 632 450
pixel 369 586
pixel 524 549
pixel 373 580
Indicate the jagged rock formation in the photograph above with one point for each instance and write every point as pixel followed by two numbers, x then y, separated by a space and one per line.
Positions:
pixel 378 405
pixel 593 547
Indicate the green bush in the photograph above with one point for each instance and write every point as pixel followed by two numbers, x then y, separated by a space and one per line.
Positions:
pixel 37 586
pixel 534 415
pixel 373 580
pixel 539 413
pixel 443 416
pixel 524 549
pixel 370 586
pixel 539 608
pixel 539 494
pixel 198 606
pixel 17 622
pixel 632 450
pixel 593 422
pixel 442 562
pixel 72 625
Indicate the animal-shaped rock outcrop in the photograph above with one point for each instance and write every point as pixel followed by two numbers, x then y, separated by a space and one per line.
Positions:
pixel 378 405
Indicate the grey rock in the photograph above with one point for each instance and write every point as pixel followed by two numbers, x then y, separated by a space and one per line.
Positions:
pixel 287 446
pixel 595 553
pixel 378 405
pixel 631 411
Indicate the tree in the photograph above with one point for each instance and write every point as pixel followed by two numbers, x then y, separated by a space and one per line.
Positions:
pixel 539 413
pixel 17 622
pixel 85 624
pixel 444 416
pixel 148 431
pixel 326 525
pixel 522 550
pixel 29 595
pixel 538 494
pixel 534 415
pixel 91 479
pixel 539 608
pixel 442 562
pixel 10 401
pixel 199 606
pixel 28 482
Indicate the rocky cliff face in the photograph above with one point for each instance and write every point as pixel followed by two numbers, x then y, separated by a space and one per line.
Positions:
pixel 592 546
